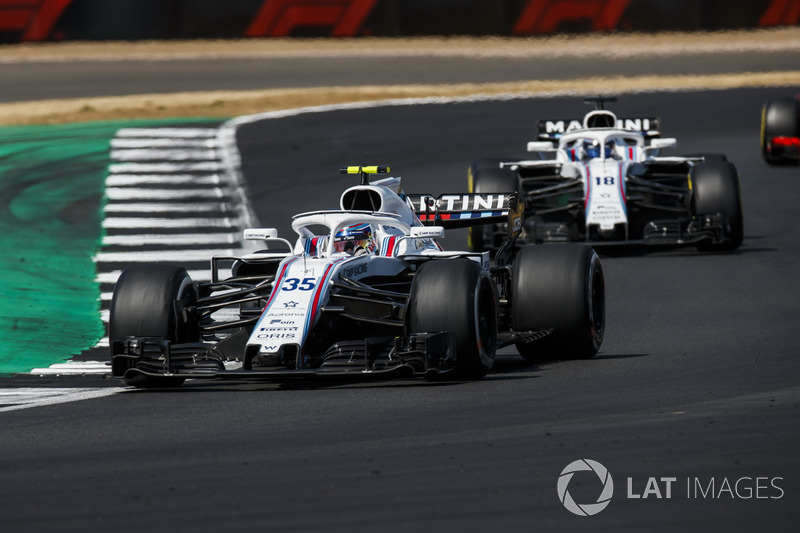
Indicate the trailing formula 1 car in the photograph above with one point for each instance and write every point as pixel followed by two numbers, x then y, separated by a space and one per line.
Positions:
pixel 366 291
pixel 603 181
pixel 780 131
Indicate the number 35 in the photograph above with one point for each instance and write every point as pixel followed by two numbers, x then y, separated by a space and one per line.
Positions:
pixel 291 284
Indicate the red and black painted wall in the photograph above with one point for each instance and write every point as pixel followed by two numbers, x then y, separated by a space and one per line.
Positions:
pixel 56 20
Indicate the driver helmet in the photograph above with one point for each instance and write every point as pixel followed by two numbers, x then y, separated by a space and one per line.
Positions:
pixel 591 147
pixel 353 238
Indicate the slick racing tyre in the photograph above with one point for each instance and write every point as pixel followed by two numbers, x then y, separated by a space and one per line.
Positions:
pixel 146 303
pixel 485 176
pixel 780 117
pixel 457 296
pixel 715 189
pixel 559 287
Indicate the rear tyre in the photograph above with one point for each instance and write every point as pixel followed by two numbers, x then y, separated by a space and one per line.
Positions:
pixel 715 189
pixel 559 287
pixel 458 296
pixel 485 176
pixel 780 117
pixel 146 302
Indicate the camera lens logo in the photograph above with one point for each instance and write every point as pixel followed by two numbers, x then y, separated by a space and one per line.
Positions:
pixel 586 509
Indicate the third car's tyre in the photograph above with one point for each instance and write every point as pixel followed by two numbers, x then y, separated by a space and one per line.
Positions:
pixel 780 117
pixel 146 302
pixel 457 296
pixel 559 287
pixel 715 189
pixel 485 176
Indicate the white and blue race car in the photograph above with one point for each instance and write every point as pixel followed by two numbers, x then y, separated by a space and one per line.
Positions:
pixel 365 291
pixel 603 180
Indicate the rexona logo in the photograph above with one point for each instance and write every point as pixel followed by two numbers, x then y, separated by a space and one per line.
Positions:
pixel 585 509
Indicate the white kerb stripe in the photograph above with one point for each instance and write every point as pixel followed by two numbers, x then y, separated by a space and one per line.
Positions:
pixel 205 166
pixel 171 256
pixel 155 154
pixel 136 142
pixel 124 222
pixel 128 193
pixel 113 276
pixel 178 239
pixel 168 132
pixel 162 207
pixel 123 180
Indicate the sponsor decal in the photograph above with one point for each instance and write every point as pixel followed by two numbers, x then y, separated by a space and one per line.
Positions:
pixel 461 202
pixel 290 304
pixel 280 321
pixel 565 126
pixel 562 126
pixel 356 270
pixel 603 212
pixel 276 335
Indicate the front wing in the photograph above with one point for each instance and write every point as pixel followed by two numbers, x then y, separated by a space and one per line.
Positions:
pixel 426 354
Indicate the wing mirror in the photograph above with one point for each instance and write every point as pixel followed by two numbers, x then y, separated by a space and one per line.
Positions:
pixel 540 146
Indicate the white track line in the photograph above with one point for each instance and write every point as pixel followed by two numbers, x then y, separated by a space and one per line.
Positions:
pixel 25 398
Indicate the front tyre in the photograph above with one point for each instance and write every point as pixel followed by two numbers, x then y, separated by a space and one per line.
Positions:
pixel 780 117
pixel 716 190
pixel 147 302
pixel 559 287
pixel 457 296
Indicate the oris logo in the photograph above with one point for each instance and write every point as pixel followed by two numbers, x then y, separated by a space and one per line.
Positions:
pixel 585 509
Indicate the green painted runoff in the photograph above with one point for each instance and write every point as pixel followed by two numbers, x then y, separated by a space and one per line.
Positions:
pixel 51 208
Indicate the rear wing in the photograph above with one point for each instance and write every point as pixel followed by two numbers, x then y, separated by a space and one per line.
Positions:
pixel 464 210
pixel 552 129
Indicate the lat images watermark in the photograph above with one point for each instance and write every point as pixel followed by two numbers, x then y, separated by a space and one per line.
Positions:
pixel 666 487
pixel 586 509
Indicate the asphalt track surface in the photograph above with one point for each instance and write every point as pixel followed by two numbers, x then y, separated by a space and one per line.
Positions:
pixel 697 378
pixel 27 81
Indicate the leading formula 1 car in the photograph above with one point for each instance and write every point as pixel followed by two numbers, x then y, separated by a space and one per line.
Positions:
pixel 780 131
pixel 365 291
pixel 603 181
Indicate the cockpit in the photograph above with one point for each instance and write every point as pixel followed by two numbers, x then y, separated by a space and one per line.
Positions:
pixel 602 146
